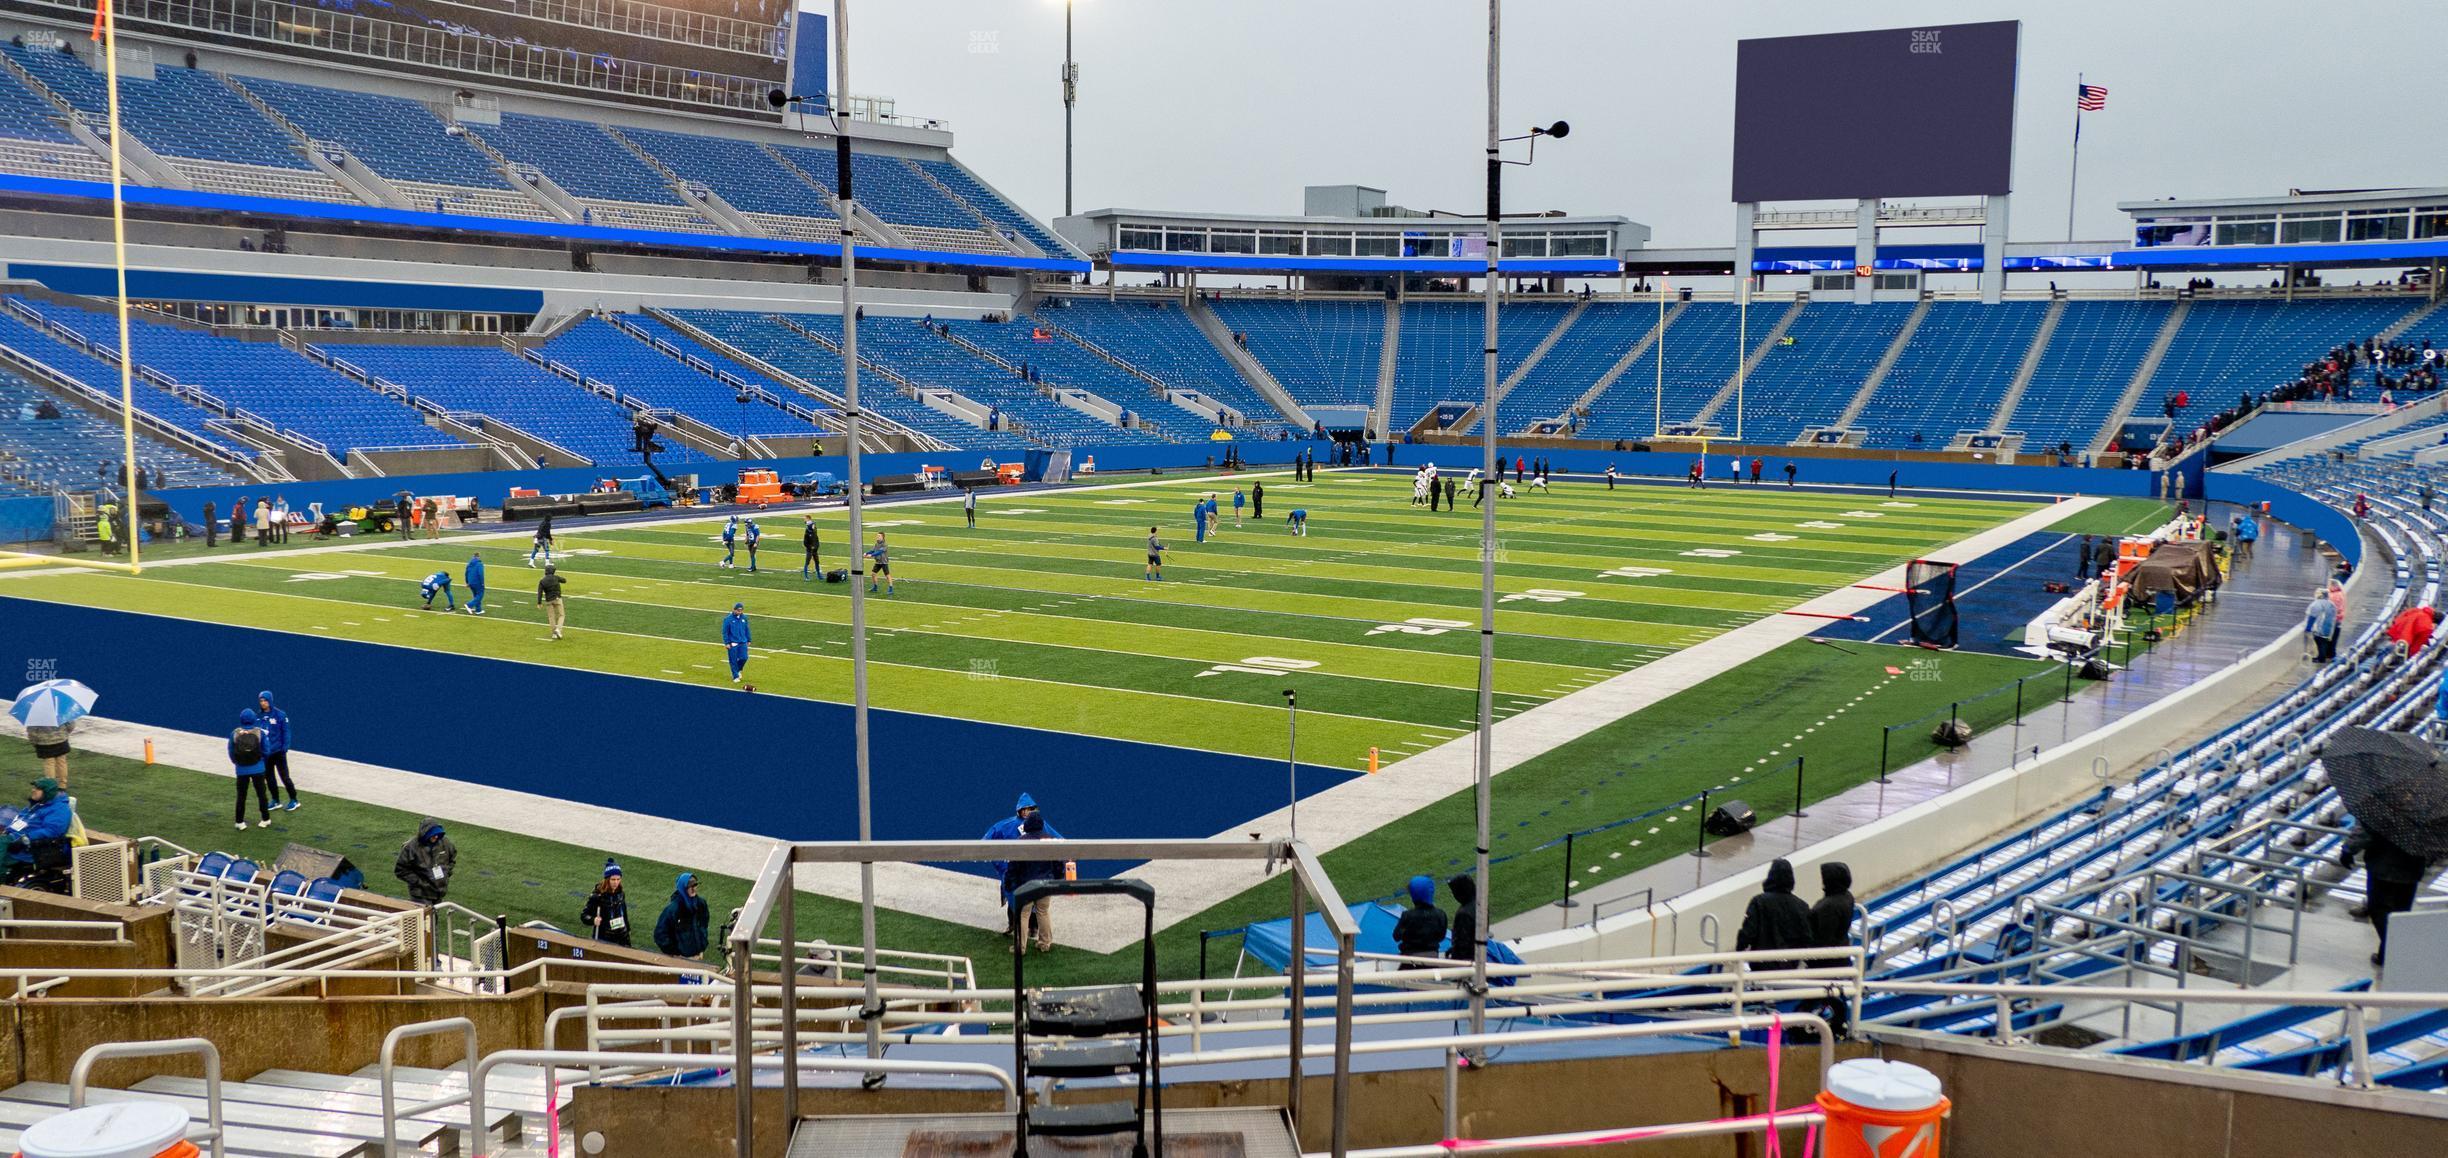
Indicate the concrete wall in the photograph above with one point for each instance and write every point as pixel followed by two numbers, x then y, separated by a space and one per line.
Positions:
pixel 2018 1102
pixel 1390 1108
pixel 335 1035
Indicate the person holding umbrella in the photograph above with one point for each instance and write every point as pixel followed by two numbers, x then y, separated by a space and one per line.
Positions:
pixel 49 710
pixel 2394 786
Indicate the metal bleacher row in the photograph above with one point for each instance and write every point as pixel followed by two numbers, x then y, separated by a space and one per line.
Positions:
pixel 254 136
pixel 1951 373
pixel 2242 821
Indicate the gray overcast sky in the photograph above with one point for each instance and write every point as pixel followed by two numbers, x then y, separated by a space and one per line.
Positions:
pixel 1216 105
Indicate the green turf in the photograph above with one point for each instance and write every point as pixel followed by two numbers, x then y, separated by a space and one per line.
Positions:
pixel 1040 616
pixel 2116 517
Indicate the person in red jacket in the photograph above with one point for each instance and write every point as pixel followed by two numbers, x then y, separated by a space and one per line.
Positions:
pixel 2412 629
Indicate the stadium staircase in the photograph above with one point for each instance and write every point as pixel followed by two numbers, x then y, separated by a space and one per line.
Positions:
pixel 1529 363
pixel 1253 372
pixel 2139 383
pixel 1389 371
pixel 2030 366
pixel 2420 316
pixel 1852 411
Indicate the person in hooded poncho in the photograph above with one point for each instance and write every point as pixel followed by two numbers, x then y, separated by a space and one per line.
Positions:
pixel 681 930
pixel 1420 931
pixel 1466 915
pixel 1776 918
pixel 1831 919
pixel 1013 828
pixel 426 862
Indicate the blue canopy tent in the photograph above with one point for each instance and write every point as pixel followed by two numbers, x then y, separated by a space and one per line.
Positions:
pixel 1269 943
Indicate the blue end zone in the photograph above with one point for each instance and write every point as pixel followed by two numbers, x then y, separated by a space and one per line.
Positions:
pixel 1995 595
pixel 769 765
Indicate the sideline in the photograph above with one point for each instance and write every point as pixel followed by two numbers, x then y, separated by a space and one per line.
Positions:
pixel 1334 817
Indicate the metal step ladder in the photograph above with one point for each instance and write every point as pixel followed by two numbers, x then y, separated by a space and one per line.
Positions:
pixel 1106 1031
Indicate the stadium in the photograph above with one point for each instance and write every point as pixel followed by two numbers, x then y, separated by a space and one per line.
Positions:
pixel 624 511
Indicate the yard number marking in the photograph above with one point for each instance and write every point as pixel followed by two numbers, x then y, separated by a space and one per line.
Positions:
pixel 1261 665
pixel 1419 626
pixel 1541 595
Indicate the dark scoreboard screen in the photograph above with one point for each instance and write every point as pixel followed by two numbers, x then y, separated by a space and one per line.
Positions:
pixel 1899 112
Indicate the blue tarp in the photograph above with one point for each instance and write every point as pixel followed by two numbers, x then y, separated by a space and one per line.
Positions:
pixel 1270 942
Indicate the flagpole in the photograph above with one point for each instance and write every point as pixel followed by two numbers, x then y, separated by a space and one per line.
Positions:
pixel 106 30
pixel 2074 167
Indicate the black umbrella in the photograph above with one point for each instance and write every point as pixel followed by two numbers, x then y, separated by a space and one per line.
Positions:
pixel 2394 784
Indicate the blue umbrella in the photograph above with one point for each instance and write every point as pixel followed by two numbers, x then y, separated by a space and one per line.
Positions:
pixel 52 703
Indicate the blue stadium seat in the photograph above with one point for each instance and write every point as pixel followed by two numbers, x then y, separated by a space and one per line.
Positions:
pixel 601 350
pixel 261 377
pixel 617 188
pixel 788 204
pixel 403 142
pixel 1951 374
pixel 1440 360
pixel 504 387
pixel 1323 352
pixel 766 338
pixel 2090 358
pixel 38 455
pixel 965 184
pixel 1159 337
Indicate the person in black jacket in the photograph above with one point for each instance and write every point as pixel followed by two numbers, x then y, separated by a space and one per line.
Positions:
pixel 606 915
pixel 1831 920
pixel 2392 876
pixel 681 930
pixel 1466 910
pixel 1776 918
pixel 1420 931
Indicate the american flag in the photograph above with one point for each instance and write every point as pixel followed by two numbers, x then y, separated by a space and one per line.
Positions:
pixel 2090 98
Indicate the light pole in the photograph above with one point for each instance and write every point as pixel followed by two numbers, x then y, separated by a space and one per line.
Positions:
pixel 846 207
pixel 1486 757
pixel 1070 85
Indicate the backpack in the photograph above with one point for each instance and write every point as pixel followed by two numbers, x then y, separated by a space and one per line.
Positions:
pixel 246 747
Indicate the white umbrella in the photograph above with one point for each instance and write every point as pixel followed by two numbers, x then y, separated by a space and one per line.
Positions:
pixel 52 703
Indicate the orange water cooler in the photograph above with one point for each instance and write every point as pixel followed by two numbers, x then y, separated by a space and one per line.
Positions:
pixel 1881 1109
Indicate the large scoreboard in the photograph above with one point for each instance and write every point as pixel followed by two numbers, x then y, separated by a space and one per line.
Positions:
pixel 1899 112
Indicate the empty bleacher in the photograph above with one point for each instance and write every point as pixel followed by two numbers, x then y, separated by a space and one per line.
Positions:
pixel 601 350
pixel 915 208
pixel 614 186
pixel 915 352
pixel 1700 350
pixel 767 339
pixel 493 382
pixel 2091 356
pixel 1160 338
pixel 1058 361
pixel 203 128
pixel 1836 345
pixel 1597 340
pixel 1439 356
pixel 61 356
pixel 1952 373
pixel 404 143
pixel 35 142
pixel 1323 352
pixel 39 454
pixel 998 212
pixel 781 202
pixel 260 377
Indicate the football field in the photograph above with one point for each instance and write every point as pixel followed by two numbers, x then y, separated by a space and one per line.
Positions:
pixel 1040 616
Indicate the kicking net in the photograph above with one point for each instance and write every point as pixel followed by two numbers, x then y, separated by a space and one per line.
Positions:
pixel 1930 592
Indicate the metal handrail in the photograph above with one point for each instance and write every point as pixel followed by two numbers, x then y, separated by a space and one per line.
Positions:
pixel 212 1136
pixel 390 1107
